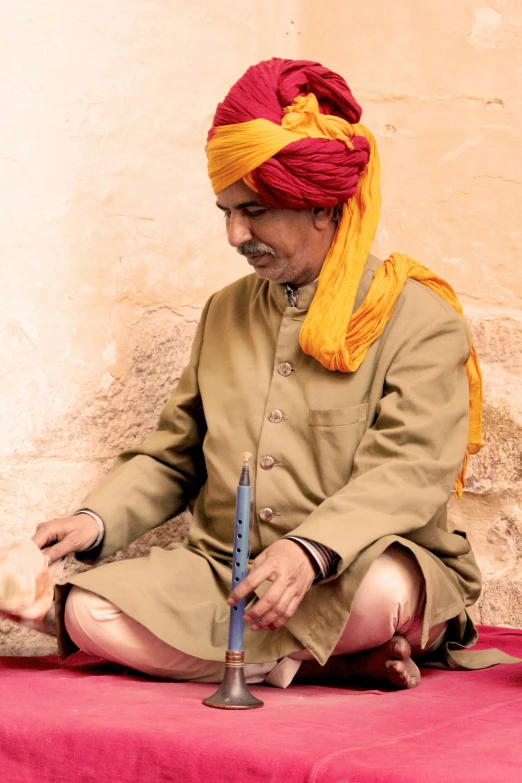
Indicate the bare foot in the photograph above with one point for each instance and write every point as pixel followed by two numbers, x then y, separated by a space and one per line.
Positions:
pixel 390 663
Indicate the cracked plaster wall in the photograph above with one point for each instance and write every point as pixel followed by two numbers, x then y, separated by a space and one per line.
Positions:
pixel 110 243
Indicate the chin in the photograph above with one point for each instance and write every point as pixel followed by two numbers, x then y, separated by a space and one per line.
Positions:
pixel 274 275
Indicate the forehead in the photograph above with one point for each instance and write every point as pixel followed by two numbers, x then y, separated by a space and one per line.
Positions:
pixel 237 195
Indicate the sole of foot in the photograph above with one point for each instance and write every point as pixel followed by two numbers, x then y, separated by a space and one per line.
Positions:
pixel 391 663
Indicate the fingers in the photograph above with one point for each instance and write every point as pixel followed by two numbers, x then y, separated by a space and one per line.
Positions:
pixel 278 616
pixel 63 548
pixel 45 534
pixel 260 572
pixel 60 537
pixel 278 604
pixel 275 608
pixel 288 567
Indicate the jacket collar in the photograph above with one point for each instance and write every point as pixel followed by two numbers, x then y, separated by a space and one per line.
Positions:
pixel 306 293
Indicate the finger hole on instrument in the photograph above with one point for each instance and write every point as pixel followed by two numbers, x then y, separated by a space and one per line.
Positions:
pixel 241 591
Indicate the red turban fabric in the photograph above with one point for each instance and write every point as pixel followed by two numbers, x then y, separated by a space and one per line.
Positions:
pixel 308 172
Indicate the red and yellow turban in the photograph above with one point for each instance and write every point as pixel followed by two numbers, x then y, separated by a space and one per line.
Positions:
pixel 290 129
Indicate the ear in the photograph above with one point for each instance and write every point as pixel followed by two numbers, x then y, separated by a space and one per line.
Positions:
pixel 322 217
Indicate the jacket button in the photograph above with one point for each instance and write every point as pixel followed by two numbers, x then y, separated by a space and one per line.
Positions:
pixel 267 463
pixel 266 514
pixel 275 417
pixel 284 369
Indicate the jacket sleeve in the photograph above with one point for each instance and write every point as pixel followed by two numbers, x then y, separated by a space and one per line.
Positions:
pixel 151 483
pixel 407 461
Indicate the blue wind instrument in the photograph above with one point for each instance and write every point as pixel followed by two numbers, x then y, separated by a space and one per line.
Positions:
pixel 233 693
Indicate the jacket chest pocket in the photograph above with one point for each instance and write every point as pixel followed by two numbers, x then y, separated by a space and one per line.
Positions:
pixel 338 417
pixel 334 435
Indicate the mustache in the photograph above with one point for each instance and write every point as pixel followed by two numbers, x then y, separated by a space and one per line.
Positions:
pixel 255 249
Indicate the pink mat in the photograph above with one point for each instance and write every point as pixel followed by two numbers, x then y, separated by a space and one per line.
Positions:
pixel 81 722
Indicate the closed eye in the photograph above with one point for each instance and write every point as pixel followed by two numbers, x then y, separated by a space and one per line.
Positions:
pixel 250 213
pixel 253 213
pixel 250 209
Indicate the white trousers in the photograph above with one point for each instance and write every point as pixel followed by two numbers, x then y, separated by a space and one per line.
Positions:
pixel 390 600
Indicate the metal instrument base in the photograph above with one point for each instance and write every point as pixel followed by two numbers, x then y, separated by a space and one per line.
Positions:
pixel 233 693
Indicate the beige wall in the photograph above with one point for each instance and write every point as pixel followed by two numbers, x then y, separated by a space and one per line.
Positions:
pixel 110 242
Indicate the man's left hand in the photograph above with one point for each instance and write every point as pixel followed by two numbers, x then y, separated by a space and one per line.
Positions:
pixel 290 569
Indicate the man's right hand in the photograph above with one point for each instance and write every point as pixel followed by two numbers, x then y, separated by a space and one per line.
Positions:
pixel 60 537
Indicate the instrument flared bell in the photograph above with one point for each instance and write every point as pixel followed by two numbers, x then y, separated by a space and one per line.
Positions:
pixel 233 693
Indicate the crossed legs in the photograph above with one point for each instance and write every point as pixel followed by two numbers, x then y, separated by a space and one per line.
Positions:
pixel 381 638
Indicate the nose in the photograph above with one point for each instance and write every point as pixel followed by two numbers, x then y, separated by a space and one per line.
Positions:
pixel 238 230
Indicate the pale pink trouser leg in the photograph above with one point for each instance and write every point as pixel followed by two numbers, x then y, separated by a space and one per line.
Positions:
pixel 99 628
pixel 390 600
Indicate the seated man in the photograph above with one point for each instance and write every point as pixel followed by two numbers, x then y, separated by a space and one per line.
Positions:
pixel 355 385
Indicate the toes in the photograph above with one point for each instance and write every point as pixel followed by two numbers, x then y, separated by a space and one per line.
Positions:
pixel 403 674
pixel 400 648
pixel 397 673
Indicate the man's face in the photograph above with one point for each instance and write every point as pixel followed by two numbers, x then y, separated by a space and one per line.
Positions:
pixel 283 245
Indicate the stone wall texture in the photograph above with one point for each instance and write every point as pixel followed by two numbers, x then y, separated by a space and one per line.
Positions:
pixel 110 242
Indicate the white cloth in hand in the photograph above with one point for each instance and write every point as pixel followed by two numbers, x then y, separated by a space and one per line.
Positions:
pixel 27 581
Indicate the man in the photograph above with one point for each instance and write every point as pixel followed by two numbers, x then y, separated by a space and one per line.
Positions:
pixel 355 386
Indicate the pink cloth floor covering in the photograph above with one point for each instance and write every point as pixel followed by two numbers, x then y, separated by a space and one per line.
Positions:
pixel 83 722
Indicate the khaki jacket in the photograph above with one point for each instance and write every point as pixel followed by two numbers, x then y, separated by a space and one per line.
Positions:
pixel 362 460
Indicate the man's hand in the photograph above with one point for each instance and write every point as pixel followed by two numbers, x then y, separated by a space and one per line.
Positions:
pixel 290 569
pixel 60 537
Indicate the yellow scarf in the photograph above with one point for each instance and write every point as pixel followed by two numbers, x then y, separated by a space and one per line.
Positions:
pixel 331 332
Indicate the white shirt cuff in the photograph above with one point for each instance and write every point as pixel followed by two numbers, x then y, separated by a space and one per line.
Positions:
pixel 101 534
